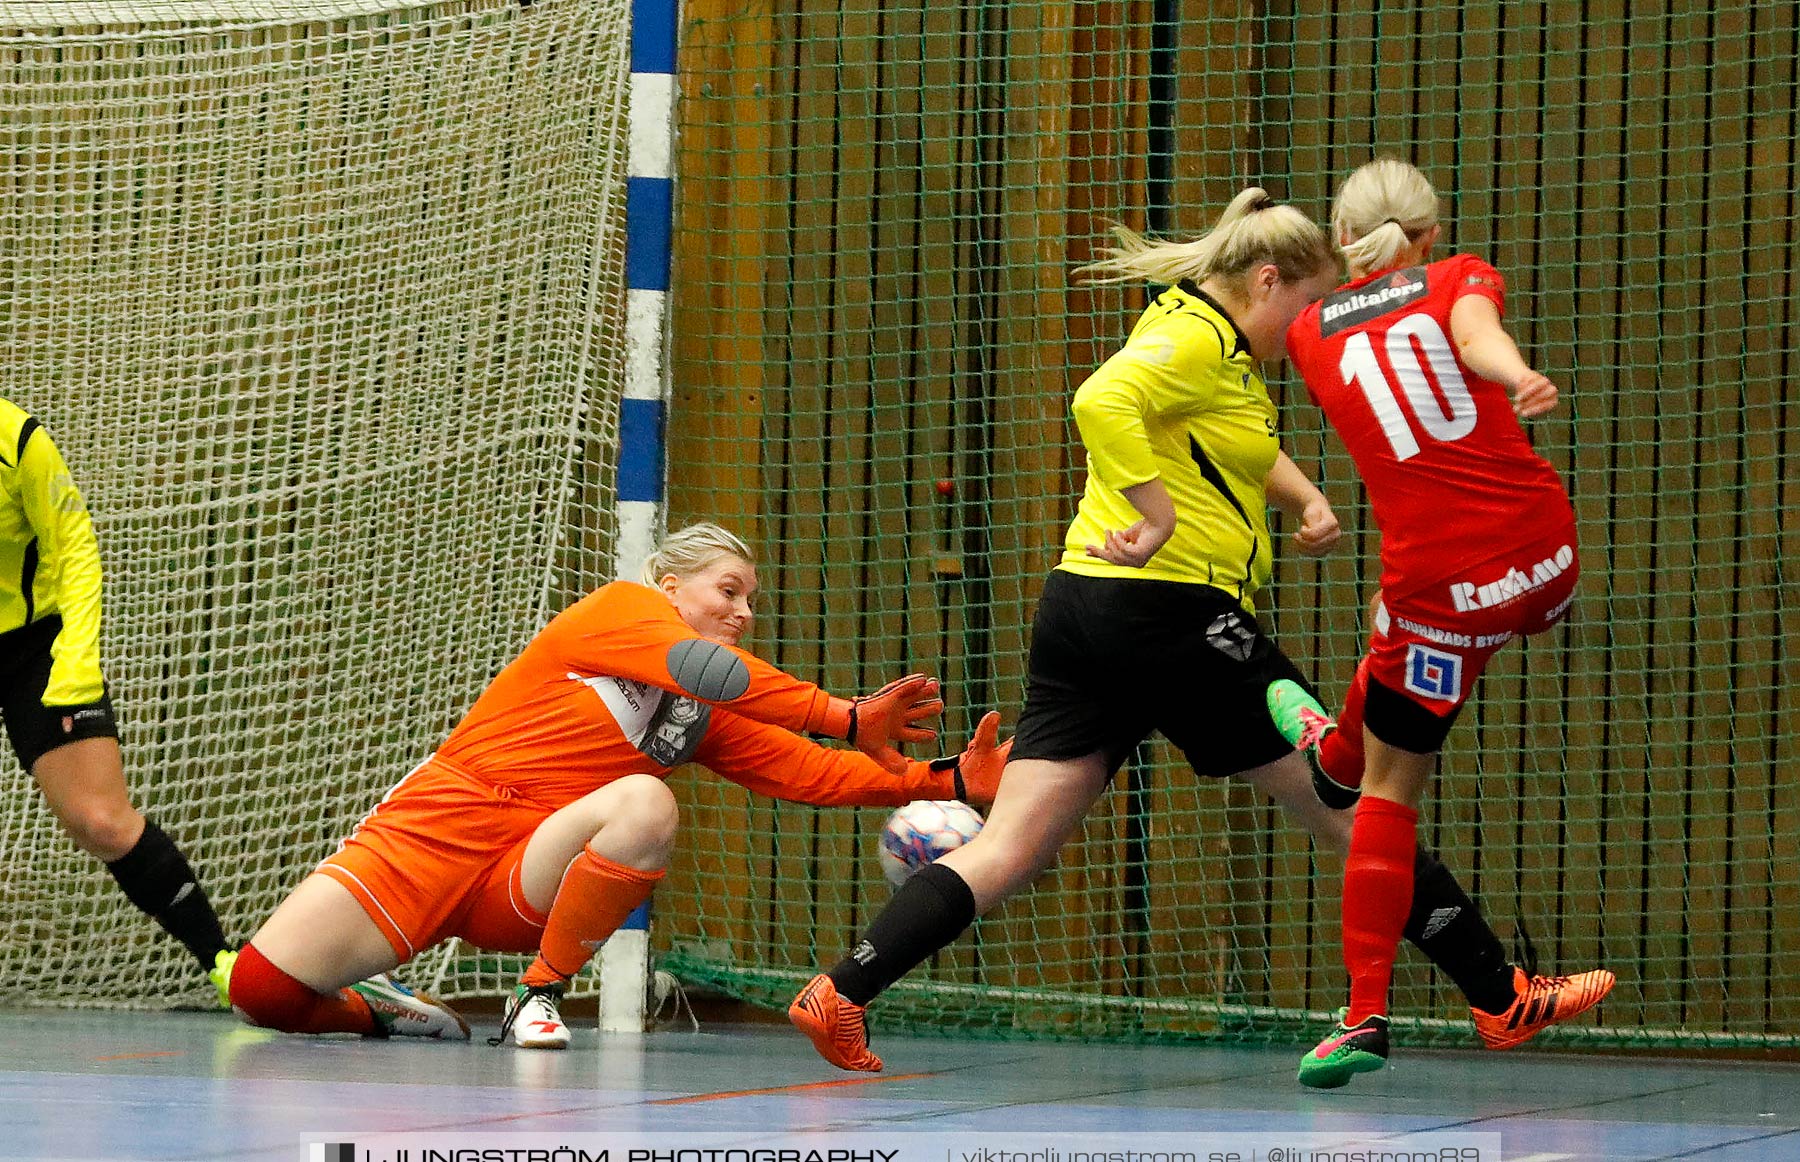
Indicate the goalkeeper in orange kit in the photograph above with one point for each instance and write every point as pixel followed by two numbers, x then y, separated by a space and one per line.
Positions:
pixel 544 818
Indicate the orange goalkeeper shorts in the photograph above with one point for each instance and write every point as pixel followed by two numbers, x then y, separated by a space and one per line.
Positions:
pixel 440 856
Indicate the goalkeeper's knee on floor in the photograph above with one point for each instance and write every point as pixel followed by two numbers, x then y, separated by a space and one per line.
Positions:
pixel 265 995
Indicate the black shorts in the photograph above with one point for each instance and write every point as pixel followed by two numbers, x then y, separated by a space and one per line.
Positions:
pixel 1401 722
pixel 1114 658
pixel 33 728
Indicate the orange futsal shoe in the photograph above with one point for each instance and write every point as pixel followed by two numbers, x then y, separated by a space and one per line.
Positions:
pixel 838 1029
pixel 1542 1001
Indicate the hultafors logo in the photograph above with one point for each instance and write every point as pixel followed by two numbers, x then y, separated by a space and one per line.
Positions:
pixel 1349 308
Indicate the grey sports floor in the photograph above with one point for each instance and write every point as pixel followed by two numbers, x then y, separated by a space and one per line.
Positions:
pixel 102 1085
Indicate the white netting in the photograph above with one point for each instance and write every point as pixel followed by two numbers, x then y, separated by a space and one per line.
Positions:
pixel 324 304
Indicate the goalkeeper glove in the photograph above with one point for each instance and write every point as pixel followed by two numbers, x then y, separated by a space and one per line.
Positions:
pixel 976 771
pixel 875 722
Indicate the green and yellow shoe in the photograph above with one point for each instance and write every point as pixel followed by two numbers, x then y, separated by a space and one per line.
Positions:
pixel 1348 1051
pixel 220 975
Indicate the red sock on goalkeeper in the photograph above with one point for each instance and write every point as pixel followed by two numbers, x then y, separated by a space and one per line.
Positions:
pixel 269 997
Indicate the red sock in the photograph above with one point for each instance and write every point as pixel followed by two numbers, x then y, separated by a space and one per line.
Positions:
pixel 269 997
pixel 1378 888
pixel 595 897
pixel 1341 754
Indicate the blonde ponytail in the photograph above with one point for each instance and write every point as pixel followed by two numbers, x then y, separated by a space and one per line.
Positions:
pixel 1253 230
pixel 1381 208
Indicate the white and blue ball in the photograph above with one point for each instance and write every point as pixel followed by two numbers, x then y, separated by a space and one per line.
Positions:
pixel 921 831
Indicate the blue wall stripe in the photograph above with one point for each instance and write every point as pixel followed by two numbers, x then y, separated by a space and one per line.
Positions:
pixel 648 204
pixel 653 36
pixel 641 449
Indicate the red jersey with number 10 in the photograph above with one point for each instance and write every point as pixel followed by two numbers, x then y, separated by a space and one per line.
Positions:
pixel 1451 477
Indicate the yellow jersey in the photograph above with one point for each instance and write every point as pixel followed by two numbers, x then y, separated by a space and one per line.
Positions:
pixel 49 561
pixel 1182 400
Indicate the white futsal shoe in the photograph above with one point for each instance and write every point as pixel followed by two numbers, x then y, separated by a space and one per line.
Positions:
pixel 532 1019
pixel 401 1012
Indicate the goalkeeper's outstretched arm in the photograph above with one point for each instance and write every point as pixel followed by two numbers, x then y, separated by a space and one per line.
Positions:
pixel 781 765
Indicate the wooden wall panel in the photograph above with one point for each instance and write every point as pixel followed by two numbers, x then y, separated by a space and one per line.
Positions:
pixel 1711 195
pixel 1767 739
pixel 715 432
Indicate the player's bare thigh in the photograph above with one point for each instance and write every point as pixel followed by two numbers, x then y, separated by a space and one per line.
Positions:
pixel 1040 803
pixel 630 821
pixel 1288 783
pixel 84 783
pixel 321 937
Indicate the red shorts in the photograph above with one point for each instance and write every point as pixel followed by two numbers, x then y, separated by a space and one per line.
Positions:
pixel 440 856
pixel 1430 645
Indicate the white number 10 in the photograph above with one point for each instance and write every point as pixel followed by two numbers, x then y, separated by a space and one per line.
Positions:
pixel 1359 366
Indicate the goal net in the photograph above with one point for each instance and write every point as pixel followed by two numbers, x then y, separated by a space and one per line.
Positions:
pixel 323 302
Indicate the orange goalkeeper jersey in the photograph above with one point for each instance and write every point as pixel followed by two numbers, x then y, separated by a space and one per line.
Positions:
pixel 619 684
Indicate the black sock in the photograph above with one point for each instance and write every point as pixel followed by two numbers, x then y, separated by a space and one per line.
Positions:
pixel 929 911
pixel 156 877
pixel 1448 928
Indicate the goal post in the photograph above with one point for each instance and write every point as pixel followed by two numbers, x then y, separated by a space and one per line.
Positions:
pixel 625 957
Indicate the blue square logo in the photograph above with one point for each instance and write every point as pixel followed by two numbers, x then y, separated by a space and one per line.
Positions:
pixel 1433 674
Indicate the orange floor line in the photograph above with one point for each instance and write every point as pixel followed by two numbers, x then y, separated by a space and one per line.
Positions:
pixel 728 1093
pixel 138 1056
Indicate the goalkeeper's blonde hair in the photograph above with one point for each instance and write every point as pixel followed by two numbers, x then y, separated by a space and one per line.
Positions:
pixel 1255 229
pixel 689 551
pixel 1382 207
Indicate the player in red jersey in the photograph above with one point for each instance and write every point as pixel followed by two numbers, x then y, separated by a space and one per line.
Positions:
pixel 543 820
pixel 1412 366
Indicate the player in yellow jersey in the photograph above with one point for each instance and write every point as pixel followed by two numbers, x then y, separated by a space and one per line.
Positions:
pixel 54 698
pixel 1148 623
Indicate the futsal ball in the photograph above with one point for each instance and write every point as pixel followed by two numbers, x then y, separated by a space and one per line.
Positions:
pixel 921 831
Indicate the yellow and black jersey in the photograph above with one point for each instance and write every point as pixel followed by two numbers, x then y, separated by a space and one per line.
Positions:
pixel 49 562
pixel 1182 400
